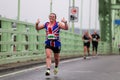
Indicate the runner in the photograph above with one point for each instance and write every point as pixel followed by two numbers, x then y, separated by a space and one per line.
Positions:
pixel 86 42
pixel 52 43
pixel 95 40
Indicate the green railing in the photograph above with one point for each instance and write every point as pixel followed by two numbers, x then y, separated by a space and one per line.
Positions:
pixel 109 11
pixel 116 40
pixel 19 41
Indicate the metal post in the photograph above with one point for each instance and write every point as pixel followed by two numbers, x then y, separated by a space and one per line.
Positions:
pixel 90 15
pixel 50 6
pixel 110 18
pixel 81 17
pixel 96 17
pixel 73 4
pixel 18 16
pixel 69 13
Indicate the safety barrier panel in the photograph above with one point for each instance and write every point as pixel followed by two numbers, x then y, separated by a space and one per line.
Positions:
pixel 19 41
pixel 116 39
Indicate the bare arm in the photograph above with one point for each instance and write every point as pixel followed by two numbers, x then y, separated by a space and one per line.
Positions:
pixel 82 37
pixel 63 24
pixel 39 26
pixel 98 38
pixel 90 37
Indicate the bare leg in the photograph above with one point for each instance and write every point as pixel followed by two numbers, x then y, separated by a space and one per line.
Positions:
pixel 57 59
pixel 48 57
pixel 88 50
pixel 85 49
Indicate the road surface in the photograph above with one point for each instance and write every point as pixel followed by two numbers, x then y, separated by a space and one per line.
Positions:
pixel 97 68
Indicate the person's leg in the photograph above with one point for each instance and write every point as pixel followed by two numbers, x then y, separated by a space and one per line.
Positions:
pixel 96 47
pixel 48 60
pixel 88 49
pixel 48 57
pixel 85 49
pixel 56 59
pixel 93 48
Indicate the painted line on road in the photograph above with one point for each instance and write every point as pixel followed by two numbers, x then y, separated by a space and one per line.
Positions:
pixel 26 70
pixel 34 68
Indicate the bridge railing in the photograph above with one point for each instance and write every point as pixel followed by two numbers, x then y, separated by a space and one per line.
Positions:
pixel 104 48
pixel 19 41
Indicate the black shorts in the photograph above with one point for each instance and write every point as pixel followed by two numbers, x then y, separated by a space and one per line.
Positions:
pixel 95 44
pixel 54 49
pixel 87 44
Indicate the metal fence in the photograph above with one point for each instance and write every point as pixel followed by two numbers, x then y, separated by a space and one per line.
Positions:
pixel 19 41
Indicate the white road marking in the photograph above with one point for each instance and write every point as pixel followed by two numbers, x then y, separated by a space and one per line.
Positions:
pixel 30 69
pixel 9 74
pixel 83 71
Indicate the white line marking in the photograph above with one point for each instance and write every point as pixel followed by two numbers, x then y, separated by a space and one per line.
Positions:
pixel 80 71
pixel 30 69
pixel 21 71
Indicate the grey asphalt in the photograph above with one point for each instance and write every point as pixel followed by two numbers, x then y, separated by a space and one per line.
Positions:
pixel 97 68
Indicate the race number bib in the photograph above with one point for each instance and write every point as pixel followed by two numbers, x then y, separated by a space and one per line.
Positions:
pixel 51 36
pixel 86 41
pixel 94 39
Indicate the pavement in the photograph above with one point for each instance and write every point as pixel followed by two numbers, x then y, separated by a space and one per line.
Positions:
pixel 93 68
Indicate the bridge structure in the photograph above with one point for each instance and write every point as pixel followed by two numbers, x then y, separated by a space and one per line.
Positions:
pixel 109 16
pixel 19 41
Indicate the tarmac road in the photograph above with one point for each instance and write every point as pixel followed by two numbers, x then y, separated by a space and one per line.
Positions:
pixel 97 68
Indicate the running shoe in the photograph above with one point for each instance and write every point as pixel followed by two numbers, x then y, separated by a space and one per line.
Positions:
pixel 47 72
pixel 89 54
pixel 55 71
pixel 84 57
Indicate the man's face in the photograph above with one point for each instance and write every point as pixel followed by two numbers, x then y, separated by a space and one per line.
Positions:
pixel 52 17
pixel 95 32
pixel 86 33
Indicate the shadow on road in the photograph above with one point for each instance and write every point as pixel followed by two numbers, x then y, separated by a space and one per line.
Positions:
pixel 53 78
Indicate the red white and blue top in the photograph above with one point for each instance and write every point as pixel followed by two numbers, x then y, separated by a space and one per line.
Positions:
pixel 52 35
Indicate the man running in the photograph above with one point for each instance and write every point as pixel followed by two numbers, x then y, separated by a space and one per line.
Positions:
pixel 86 42
pixel 52 43
pixel 95 40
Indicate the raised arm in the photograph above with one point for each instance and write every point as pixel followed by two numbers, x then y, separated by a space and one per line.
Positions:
pixel 38 25
pixel 63 24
